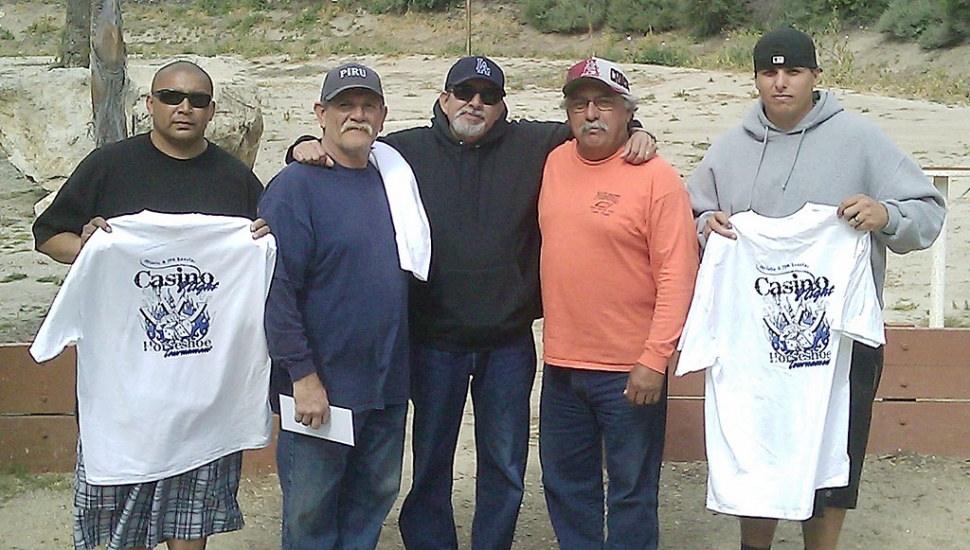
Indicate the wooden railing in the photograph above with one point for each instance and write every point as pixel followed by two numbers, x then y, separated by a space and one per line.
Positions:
pixel 923 405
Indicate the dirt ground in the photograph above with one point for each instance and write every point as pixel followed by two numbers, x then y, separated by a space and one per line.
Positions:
pixel 908 501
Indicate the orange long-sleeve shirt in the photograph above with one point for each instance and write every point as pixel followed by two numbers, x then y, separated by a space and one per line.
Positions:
pixel 619 260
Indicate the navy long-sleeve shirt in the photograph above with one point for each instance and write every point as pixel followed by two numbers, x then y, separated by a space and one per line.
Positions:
pixel 338 302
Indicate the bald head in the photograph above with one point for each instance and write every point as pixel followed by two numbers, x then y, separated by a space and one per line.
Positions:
pixel 181 67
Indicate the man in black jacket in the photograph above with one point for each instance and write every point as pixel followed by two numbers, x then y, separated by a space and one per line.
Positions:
pixel 478 174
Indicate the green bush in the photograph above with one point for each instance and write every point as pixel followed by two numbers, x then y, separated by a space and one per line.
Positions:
pixel 565 15
pixel 908 19
pixel 857 11
pixel 657 52
pixel 957 19
pixel 643 16
pixel 215 7
pixel 706 18
pixel 940 35
pixel 403 6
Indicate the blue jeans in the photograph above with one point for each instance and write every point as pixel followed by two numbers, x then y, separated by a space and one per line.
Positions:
pixel 501 382
pixel 336 496
pixel 582 414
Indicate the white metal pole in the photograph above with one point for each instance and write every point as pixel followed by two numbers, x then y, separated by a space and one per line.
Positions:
pixel 938 269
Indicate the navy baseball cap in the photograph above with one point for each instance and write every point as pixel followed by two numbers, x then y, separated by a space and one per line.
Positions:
pixel 348 76
pixel 784 47
pixel 472 67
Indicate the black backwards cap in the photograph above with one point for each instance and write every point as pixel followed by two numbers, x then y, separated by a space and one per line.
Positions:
pixel 784 47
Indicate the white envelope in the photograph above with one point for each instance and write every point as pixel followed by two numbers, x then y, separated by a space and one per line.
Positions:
pixel 339 429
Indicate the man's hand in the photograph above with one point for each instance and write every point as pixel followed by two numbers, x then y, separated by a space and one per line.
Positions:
pixel 259 228
pixel 718 223
pixel 312 152
pixel 864 213
pixel 312 404
pixel 640 148
pixel 92 226
pixel 644 386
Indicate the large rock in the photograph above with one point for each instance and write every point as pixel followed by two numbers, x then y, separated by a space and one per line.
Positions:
pixel 45 114
pixel 45 117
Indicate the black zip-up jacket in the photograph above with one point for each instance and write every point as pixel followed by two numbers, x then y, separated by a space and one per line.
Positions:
pixel 481 200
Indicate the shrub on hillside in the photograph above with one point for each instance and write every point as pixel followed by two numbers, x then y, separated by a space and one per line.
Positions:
pixel 403 6
pixel 565 15
pixel 706 18
pixel 813 14
pixel 909 19
pixel 857 11
pixel 643 16
pixel 656 52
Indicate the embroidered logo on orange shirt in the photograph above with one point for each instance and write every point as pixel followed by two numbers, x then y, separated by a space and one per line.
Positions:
pixel 604 202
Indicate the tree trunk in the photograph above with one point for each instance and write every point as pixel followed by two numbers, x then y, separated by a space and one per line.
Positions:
pixel 76 46
pixel 108 76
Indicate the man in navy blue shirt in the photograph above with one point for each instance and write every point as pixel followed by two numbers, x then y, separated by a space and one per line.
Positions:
pixel 337 326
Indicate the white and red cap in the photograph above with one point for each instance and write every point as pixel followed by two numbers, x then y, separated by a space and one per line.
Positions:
pixel 600 70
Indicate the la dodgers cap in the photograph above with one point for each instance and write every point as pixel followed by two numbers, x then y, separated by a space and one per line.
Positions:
pixel 785 47
pixel 600 70
pixel 348 76
pixel 472 67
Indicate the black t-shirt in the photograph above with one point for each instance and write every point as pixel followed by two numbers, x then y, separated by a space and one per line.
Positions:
pixel 132 175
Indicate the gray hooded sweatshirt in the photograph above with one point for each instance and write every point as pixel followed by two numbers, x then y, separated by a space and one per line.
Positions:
pixel 827 157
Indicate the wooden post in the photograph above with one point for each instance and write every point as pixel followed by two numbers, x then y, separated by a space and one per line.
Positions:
pixel 468 27
pixel 76 44
pixel 108 76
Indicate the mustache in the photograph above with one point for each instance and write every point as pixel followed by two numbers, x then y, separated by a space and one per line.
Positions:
pixel 468 110
pixel 593 125
pixel 351 125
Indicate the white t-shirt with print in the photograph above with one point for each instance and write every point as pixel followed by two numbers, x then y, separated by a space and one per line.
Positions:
pixel 772 320
pixel 173 371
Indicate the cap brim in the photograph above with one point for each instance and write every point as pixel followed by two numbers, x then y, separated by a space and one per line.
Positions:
pixel 476 77
pixel 583 79
pixel 336 92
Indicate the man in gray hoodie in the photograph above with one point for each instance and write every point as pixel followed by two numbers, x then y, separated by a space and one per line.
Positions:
pixel 798 145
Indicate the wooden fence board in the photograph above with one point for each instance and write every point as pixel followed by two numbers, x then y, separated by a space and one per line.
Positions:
pixel 926 428
pixel 29 388
pixel 924 405
pixel 38 443
pixel 685 430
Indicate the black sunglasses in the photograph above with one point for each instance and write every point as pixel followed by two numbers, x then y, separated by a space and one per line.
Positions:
pixel 490 96
pixel 199 100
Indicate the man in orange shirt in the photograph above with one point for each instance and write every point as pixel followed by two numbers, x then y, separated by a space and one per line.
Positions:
pixel 618 262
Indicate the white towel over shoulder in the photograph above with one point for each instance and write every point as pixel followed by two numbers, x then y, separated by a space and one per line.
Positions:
pixel 412 232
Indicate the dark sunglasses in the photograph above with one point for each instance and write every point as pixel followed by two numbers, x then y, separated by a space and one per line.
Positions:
pixel 490 96
pixel 199 100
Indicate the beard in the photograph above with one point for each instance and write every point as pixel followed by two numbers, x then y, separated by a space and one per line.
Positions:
pixel 466 130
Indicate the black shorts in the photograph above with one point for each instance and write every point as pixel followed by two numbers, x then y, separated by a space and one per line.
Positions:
pixel 864 377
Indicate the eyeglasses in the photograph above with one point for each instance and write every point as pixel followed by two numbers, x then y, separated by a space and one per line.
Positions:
pixel 603 103
pixel 199 100
pixel 490 96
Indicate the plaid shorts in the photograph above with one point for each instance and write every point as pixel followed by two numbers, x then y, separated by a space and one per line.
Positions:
pixel 189 506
